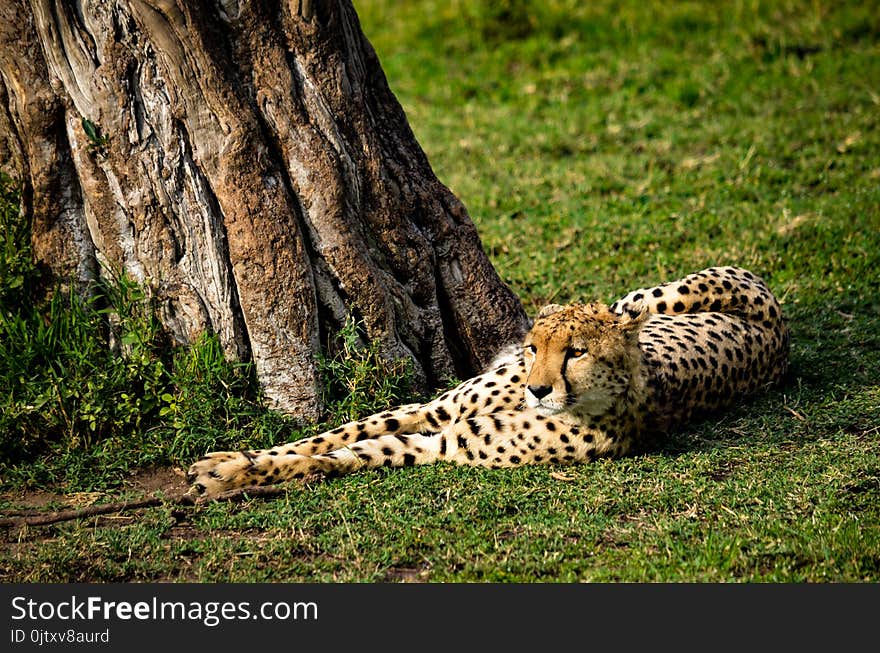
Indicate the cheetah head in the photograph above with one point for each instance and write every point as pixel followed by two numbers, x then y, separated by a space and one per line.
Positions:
pixel 580 358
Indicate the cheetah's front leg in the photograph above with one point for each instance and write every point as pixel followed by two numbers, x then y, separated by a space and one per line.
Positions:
pixel 502 439
pixel 220 472
pixel 498 389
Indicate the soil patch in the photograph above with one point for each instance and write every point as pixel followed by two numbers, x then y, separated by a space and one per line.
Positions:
pixel 141 482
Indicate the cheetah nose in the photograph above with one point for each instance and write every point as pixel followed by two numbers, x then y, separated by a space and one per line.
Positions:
pixel 540 391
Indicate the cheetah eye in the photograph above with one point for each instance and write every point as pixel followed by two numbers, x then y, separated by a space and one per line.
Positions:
pixel 576 353
pixel 530 348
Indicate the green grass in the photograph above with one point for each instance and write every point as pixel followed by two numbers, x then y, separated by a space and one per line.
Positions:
pixel 598 147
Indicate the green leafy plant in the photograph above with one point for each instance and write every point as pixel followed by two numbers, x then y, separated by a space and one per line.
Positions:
pixel 17 269
pixel 359 380
pixel 97 142
pixel 62 381
pixel 90 385
pixel 210 403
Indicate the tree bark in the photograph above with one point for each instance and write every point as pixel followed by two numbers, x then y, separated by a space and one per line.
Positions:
pixel 247 162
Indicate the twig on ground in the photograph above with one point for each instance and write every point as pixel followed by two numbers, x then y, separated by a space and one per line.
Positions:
pixel 180 499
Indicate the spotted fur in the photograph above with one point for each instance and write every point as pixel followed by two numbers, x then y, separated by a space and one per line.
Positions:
pixel 587 381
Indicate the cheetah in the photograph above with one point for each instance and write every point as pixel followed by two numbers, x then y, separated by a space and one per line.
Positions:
pixel 588 381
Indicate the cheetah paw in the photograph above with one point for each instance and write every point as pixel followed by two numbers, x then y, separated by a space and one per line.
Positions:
pixel 220 471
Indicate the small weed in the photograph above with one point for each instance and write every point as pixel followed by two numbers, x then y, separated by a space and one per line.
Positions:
pixel 17 269
pixel 358 380
pixel 97 142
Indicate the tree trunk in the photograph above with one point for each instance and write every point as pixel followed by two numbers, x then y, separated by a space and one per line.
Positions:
pixel 248 163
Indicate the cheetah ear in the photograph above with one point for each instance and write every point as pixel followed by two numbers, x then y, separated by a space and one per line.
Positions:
pixel 550 309
pixel 631 306
pixel 633 318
